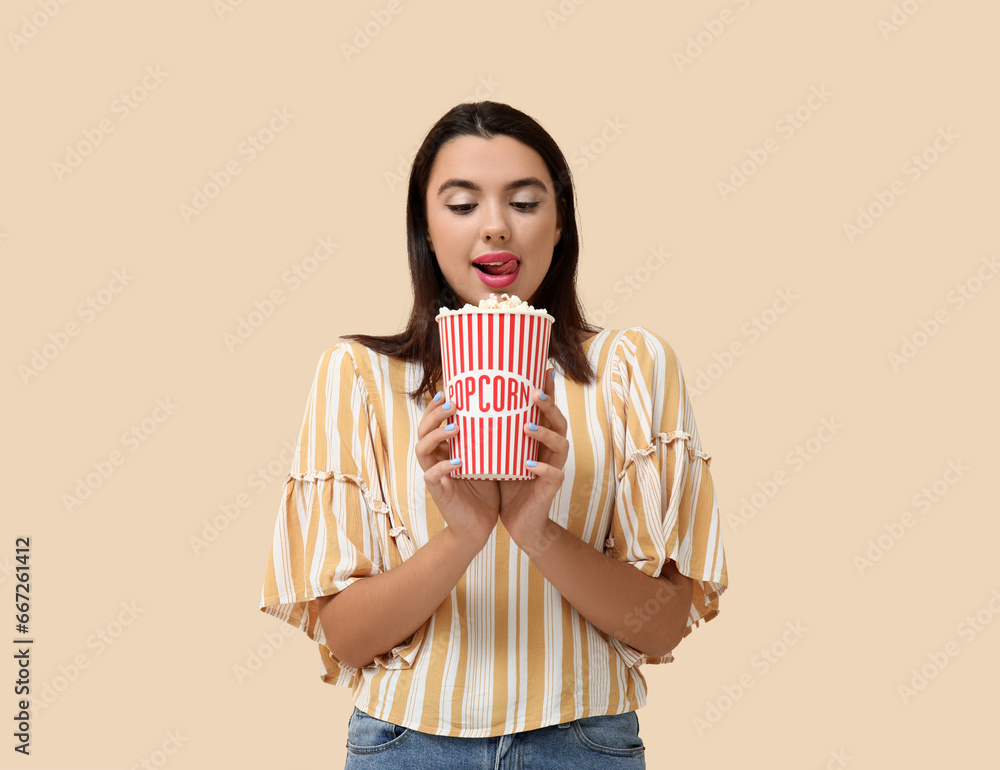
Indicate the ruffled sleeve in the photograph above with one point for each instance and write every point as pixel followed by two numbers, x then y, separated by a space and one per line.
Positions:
pixel 333 524
pixel 665 503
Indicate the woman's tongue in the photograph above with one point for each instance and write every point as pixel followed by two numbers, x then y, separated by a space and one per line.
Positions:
pixel 505 269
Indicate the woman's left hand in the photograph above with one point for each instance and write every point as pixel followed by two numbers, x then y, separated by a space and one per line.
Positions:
pixel 524 504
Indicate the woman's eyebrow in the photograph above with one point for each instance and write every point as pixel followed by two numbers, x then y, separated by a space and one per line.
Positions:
pixel 529 181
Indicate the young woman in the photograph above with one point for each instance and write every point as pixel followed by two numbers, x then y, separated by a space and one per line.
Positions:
pixel 496 623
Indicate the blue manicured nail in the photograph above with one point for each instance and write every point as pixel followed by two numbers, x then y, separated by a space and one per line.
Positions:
pixel 541 395
pixel 447 405
pixel 456 461
pixel 437 396
pixel 532 426
pixel 450 427
pixel 531 463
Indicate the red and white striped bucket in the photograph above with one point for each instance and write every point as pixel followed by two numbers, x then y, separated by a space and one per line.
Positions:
pixel 492 361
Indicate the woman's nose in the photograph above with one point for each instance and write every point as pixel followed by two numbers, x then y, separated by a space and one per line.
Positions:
pixel 496 230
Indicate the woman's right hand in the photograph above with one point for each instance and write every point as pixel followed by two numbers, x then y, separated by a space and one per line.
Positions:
pixel 471 507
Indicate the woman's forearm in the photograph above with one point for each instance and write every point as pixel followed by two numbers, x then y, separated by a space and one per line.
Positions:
pixel 376 613
pixel 649 614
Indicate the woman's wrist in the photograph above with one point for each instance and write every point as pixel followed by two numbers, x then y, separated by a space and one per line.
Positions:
pixel 465 546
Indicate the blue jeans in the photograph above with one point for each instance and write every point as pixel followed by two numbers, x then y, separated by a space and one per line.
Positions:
pixel 590 743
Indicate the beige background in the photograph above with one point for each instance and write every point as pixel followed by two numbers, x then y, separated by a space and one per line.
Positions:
pixel 166 685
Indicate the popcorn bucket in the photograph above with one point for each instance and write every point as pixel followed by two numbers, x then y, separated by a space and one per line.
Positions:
pixel 492 361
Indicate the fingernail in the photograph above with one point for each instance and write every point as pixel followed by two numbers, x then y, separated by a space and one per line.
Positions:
pixel 450 427
pixel 541 395
pixel 437 396
pixel 456 461
pixel 531 463
pixel 532 426
pixel 447 405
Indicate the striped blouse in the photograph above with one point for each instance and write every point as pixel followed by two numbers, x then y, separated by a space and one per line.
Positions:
pixel 505 653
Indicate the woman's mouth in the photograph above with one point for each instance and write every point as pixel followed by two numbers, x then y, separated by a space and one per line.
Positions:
pixel 499 276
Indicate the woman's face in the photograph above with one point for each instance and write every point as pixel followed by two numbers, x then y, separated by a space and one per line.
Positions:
pixel 487 196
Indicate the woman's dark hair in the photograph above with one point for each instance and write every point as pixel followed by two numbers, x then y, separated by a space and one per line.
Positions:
pixel 557 292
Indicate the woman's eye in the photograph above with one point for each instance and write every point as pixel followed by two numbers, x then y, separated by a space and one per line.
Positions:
pixel 465 208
